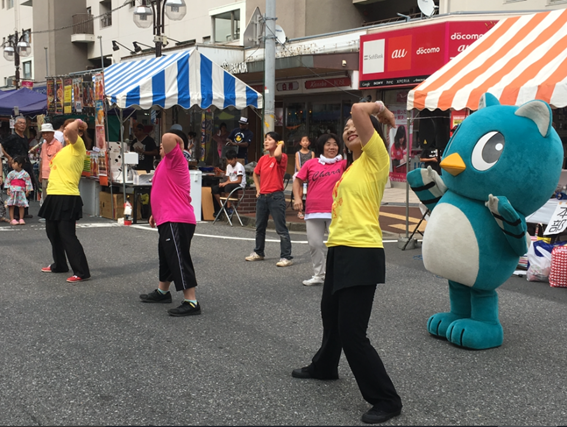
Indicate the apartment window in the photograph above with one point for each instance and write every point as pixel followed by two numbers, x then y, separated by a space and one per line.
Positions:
pixel 106 13
pixel 3 4
pixel 27 66
pixel 226 26
pixel 10 4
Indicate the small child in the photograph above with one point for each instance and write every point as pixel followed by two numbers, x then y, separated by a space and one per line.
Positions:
pixel 19 185
pixel 301 157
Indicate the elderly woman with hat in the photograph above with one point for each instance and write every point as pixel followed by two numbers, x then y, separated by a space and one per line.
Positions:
pixel 49 149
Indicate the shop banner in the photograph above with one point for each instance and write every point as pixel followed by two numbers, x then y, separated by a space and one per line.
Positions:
pixel 78 95
pixel 68 96
pixel 88 95
pixel 398 142
pixel 50 86
pixel 407 57
pixel 457 118
pixel 58 96
pixel 100 130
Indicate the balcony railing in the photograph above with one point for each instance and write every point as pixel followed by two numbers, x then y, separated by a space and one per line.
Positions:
pixel 83 23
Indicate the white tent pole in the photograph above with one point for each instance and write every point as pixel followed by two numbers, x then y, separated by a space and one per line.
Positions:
pixel 122 154
pixel 409 144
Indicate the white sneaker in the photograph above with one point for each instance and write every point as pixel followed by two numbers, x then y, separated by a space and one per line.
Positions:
pixel 315 280
pixel 284 262
pixel 254 257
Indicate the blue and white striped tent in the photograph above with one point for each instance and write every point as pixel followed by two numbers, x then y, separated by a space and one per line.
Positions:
pixel 184 78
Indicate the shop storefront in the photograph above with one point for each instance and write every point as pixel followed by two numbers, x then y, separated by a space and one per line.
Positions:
pixel 394 62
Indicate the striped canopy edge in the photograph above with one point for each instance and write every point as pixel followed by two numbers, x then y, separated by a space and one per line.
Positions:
pixel 185 78
pixel 520 59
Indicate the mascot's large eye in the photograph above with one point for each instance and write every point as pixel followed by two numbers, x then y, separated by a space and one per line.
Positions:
pixel 487 151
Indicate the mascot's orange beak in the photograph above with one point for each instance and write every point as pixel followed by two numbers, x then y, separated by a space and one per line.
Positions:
pixel 453 164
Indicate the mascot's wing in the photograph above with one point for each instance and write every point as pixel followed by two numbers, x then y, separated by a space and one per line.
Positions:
pixel 427 185
pixel 513 224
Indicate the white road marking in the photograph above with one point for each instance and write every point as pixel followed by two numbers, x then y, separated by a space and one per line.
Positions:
pixel 146 227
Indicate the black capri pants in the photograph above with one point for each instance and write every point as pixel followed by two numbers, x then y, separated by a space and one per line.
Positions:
pixel 174 245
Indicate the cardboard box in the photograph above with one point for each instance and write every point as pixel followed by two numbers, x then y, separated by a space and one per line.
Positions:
pixel 105 208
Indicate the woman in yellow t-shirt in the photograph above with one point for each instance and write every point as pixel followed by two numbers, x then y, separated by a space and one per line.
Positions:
pixel 355 243
pixel 63 205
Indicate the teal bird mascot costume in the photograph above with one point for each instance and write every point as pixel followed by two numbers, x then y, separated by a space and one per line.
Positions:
pixel 501 164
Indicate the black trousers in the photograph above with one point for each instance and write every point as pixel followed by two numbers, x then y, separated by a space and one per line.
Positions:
pixel 64 241
pixel 174 250
pixel 345 316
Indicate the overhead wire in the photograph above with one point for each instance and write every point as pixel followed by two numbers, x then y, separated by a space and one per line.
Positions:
pixel 82 22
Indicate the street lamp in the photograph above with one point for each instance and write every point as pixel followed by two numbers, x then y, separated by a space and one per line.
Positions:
pixel 144 16
pixel 16 47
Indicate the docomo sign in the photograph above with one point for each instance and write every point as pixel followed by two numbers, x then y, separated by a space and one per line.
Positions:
pixel 394 57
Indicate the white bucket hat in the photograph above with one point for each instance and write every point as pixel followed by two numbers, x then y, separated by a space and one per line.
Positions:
pixel 47 127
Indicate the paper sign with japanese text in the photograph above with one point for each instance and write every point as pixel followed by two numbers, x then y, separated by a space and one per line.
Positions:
pixel 558 222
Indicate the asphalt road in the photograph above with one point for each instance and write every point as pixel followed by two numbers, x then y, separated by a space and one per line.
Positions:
pixel 91 353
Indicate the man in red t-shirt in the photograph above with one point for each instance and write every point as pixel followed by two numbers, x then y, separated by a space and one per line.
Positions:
pixel 268 178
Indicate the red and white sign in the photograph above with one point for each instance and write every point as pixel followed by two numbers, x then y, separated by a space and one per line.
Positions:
pixel 287 86
pixel 325 83
pixel 406 57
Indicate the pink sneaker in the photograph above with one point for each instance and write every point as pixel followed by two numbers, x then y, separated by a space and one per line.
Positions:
pixel 22 222
pixel 75 279
pixel 14 222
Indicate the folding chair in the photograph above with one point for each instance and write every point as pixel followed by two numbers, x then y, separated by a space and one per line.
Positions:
pixel 287 179
pixel 235 200
pixel 425 216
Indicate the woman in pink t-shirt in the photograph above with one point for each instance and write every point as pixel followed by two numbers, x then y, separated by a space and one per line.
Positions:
pixel 321 175
pixel 174 217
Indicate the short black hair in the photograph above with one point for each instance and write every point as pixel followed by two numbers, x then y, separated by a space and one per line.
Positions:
pixel 140 126
pixel 19 160
pixel 58 122
pixel 230 154
pixel 322 140
pixel 191 133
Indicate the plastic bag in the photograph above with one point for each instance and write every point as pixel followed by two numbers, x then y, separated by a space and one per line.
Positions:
pixel 539 261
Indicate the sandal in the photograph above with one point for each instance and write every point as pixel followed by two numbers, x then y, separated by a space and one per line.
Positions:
pixel 300 215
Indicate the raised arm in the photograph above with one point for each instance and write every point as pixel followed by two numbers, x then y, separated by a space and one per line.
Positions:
pixel 279 151
pixel 169 141
pixel 361 113
pixel 71 131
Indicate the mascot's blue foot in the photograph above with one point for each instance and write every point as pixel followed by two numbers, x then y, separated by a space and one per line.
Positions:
pixel 475 335
pixel 439 323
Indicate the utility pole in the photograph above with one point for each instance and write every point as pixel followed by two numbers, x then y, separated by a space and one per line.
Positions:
pixel 269 66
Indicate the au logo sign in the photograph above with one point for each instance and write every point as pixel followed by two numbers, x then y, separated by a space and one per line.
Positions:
pixel 398 49
pixel 399 53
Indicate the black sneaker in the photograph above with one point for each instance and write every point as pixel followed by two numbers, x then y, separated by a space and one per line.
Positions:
pixel 156 296
pixel 376 415
pixel 185 309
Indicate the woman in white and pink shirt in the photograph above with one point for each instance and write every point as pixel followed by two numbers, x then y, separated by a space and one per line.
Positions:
pixel 321 175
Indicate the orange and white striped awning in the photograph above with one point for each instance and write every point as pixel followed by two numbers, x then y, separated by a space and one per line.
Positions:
pixel 520 59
